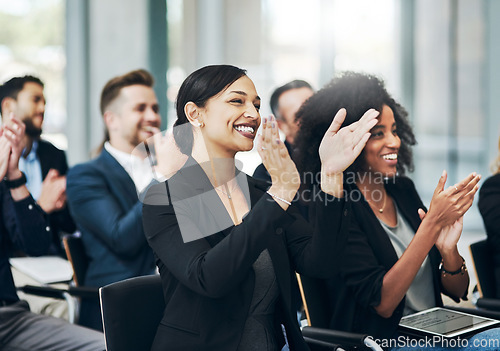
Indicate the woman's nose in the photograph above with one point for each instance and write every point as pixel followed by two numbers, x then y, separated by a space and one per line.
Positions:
pixel 393 140
pixel 251 112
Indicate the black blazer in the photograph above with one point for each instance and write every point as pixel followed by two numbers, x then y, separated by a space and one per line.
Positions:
pixel 208 283
pixel 489 207
pixel 369 255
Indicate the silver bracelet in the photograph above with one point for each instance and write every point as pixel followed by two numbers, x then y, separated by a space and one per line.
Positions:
pixel 279 198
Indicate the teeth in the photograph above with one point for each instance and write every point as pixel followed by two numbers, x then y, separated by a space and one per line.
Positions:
pixel 390 157
pixel 148 128
pixel 244 129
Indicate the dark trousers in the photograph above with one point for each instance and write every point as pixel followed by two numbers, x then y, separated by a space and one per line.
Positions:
pixel 22 330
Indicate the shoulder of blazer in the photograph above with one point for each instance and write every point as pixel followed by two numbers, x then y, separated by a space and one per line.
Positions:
pixel 46 146
pixel 403 191
pixel 491 184
pixel 103 164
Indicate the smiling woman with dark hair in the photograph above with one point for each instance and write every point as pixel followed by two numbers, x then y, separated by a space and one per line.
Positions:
pixel 226 245
pixel 395 251
pixel 356 93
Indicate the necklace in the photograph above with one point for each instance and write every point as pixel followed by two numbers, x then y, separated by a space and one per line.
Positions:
pixel 227 192
pixel 381 210
pixel 222 191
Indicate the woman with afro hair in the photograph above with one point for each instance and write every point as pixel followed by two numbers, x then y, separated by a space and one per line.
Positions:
pixel 399 257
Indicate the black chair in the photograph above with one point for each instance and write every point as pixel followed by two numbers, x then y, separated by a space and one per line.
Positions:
pixel 316 305
pixel 132 309
pixel 482 259
pixel 131 312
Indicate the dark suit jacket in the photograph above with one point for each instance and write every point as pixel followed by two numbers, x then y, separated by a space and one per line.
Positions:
pixel 104 203
pixel 60 221
pixel 369 255
pixel 489 207
pixel 208 283
pixel 23 226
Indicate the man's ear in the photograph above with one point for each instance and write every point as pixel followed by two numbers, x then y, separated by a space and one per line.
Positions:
pixel 110 120
pixel 8 105
pixel 192 112
pixel 283 126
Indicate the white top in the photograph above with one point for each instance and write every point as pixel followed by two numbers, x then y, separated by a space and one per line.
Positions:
pixel 138 169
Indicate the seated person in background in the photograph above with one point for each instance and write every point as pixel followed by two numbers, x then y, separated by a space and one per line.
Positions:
pixel 24 226
pixel 225 247
pixel 395 250
pixel 103 195
pixel 45 168
pixel 489 207
pixel 44 165
pixel 285 102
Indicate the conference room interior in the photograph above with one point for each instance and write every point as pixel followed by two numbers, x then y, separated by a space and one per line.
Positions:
pixel 436 57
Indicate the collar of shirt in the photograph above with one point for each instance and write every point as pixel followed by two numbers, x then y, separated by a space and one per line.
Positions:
pixel 31 166
pixel 138 169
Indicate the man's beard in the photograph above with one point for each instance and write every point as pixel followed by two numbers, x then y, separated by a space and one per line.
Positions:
pixel 32 131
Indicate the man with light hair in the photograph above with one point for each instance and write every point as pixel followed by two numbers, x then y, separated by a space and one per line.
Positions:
pixel 103 193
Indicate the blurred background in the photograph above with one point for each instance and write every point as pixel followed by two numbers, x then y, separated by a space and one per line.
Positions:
pixel 440 59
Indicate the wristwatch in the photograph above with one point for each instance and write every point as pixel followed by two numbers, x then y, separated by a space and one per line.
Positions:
pixel 15 183
pixel 462 269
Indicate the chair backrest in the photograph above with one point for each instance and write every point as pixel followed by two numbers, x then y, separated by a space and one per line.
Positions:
pixel 131 312
pixel 75 251
pixel 482 258
pixel 315 300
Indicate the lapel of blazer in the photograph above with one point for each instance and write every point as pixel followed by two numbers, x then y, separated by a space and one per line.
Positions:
pixel 43 157
pixel 119 181
pixel 374 231
pixel 406 204
pixel 206 198
pixel 50 158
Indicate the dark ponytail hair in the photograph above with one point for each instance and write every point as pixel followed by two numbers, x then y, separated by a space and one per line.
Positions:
pixel 198 87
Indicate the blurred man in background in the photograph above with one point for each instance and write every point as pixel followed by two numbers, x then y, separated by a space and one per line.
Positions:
pixel 285 102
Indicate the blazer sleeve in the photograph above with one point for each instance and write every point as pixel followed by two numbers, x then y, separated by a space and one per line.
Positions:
pixel 317 248
pixel 27 225
pixel 210 271
pixel 97 210
pixel 214 271
pixel 361 270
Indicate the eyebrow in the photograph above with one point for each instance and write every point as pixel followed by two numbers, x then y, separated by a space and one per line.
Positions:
pixel 243 93
pixel 382 126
